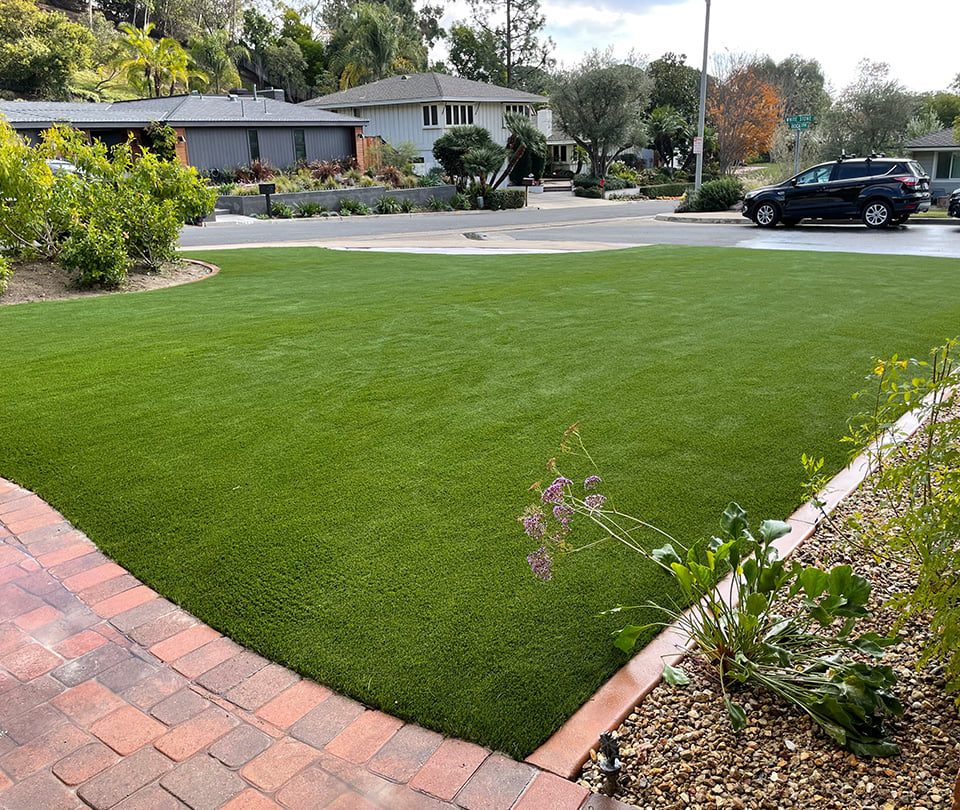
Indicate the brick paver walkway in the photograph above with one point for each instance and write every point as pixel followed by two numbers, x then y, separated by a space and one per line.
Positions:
pixel 112 697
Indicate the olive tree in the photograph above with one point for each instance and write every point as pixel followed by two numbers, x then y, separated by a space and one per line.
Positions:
pixel 600 105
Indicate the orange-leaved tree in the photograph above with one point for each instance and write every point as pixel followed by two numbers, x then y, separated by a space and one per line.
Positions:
pixel 744 110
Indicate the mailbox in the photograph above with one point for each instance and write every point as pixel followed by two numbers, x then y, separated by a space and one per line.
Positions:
pixel 268 188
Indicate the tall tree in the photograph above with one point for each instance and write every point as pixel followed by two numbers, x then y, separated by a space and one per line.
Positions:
pixel 799 83
pixel 39 50
pixel 945 106
pixel 375 46
pixel 216 57
pixel 517 28
pixel 872 114
pixel 600 105
pixel 744 109
pixel 473 54
pixel 676 85
pixel 155 66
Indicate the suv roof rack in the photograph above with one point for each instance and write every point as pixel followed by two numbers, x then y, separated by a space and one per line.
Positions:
pixel 844 156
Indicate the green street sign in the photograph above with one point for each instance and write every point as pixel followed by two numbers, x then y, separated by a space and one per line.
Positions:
pixel 799 124
pixel 800 119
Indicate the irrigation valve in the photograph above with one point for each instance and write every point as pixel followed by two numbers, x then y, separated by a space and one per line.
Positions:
pixel 608 760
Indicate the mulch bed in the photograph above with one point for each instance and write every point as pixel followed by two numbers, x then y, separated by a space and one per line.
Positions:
pixel 679 751
pixel 45 281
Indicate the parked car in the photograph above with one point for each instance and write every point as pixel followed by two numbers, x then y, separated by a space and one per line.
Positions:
pixel 953 207
pixel 879 191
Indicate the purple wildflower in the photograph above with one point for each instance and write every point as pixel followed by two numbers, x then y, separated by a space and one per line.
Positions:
pixel 592 482
pixel 533 525
pixel 563 513
pixel 594 501
pixel 554 492
pixel 541 564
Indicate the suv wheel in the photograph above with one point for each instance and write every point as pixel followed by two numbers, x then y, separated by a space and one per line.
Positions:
pixel 877 214
pixel 766 215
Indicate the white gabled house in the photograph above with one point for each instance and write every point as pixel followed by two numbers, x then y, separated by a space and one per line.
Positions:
pixel 419 107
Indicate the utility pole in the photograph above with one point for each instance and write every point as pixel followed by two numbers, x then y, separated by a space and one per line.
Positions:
pixel 702 122
pixel 509 59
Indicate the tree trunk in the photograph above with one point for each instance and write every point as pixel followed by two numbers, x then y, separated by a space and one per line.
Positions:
pixel 956 793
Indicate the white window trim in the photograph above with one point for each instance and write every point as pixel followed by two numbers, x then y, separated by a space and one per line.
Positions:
pixel 435 108
pixel 467 110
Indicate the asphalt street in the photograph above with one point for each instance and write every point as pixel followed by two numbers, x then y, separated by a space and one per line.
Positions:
pixel 613 224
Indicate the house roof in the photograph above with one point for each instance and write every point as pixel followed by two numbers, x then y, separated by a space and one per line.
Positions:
pixel 186 110
pixel 945 138
pixel 422 87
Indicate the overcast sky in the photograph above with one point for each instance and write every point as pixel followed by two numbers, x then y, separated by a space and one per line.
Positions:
pixel 922 50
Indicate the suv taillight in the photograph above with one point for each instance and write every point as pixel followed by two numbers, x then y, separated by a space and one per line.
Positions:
pixel 908 180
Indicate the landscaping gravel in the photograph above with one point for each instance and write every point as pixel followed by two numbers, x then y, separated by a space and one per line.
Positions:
pixel 679 751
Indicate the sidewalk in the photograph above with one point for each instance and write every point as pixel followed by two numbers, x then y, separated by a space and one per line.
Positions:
pixel 112 697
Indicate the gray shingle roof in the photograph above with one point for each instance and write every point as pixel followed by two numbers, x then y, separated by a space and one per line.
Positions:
pixel 943 138
pixel 422 87
pixel 189 110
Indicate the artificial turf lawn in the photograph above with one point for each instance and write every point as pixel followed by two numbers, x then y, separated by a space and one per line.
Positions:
pixel 323 454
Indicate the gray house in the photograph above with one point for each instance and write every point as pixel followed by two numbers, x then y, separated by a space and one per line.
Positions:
pixel 419 107
pixel 939 154
pixel 214 132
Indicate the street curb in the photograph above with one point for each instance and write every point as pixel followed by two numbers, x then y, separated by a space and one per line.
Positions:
pixel 709 220
pixel 569 747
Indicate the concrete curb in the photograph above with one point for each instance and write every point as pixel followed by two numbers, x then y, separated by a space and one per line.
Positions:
pixel 708 219
pixel 569 747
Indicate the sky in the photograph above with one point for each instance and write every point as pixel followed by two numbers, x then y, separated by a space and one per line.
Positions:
pixel 922 50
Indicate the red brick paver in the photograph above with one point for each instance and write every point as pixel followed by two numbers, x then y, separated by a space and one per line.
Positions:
pixel 114 698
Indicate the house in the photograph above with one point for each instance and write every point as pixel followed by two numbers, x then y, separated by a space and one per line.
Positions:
pixel 418 108
pixel 213 132
pixel 939 154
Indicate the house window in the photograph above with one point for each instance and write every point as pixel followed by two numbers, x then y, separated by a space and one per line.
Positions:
pixel 430 115
pixel 948 165
pixel 253 139
pixel 559 152
pixel 520 109
pixel 299 146
pixel 459 114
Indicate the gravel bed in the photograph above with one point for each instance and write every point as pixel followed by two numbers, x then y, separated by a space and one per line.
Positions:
pixel 678 750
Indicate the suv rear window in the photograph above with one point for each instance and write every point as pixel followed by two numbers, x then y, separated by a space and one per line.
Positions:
pixel 877 169
pixel 847 171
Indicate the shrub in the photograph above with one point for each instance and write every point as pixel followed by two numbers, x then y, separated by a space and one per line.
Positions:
pixel 260 170
pixel 787 628
pixel 407 206
pixel 451 148
pixel 6 273
pixel 152 228
pixel 586 181
pixel 280 210
pixel 593 192
pixel 717 195
pixel 392 176
pixel 919 487
pixel 325 169
pixel 664 190
pixel 622 171
pixel 438 204
pixel 459 202
pixel 96 253
pixel 432 178
pixel 350 206
pixel 500 199
pixel 308 209
pixel 161 140
pixel 388 205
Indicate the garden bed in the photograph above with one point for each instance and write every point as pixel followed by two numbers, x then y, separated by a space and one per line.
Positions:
pixel 251 205
pixel 679 750
pixel 45 281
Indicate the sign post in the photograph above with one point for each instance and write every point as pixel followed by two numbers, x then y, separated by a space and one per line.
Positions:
pixel 798 123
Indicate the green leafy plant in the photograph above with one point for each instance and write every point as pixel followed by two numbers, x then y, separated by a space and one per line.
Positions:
pixel 352 207
pixel 593 192
pixel 502 199
pixel 438 204
pixel 717 195
pixel 780 625
pixel 308 209
pixel 6 273
pixel 280 210
pixel 97 254
pixel 918 483
pixel 407 206
pixel 388 205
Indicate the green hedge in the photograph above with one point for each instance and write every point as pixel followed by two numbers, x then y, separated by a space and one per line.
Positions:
pixel 665 190
pixel 593 193
pixel 506 198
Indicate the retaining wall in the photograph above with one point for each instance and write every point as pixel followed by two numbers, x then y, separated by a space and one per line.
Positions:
pixel 251 204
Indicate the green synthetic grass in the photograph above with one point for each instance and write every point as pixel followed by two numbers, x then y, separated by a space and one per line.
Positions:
pixel 323 454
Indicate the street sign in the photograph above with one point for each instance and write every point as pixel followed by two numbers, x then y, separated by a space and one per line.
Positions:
pixel 799 122
pixel 698 145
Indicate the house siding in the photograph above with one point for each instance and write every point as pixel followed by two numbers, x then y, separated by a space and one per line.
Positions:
pixel 397 123
pixel 228 147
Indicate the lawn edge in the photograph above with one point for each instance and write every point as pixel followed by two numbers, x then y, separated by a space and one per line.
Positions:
pixel 565 751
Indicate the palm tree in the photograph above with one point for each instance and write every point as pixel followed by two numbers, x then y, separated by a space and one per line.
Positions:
pixel 216 56
pixel 376 48
pixel 666 128
pixel 151 65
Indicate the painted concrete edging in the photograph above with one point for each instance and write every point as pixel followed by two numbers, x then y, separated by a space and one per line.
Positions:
pixel 569 747
pixel 251 204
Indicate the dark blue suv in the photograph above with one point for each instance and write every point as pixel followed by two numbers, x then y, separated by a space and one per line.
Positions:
pixel 879 191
